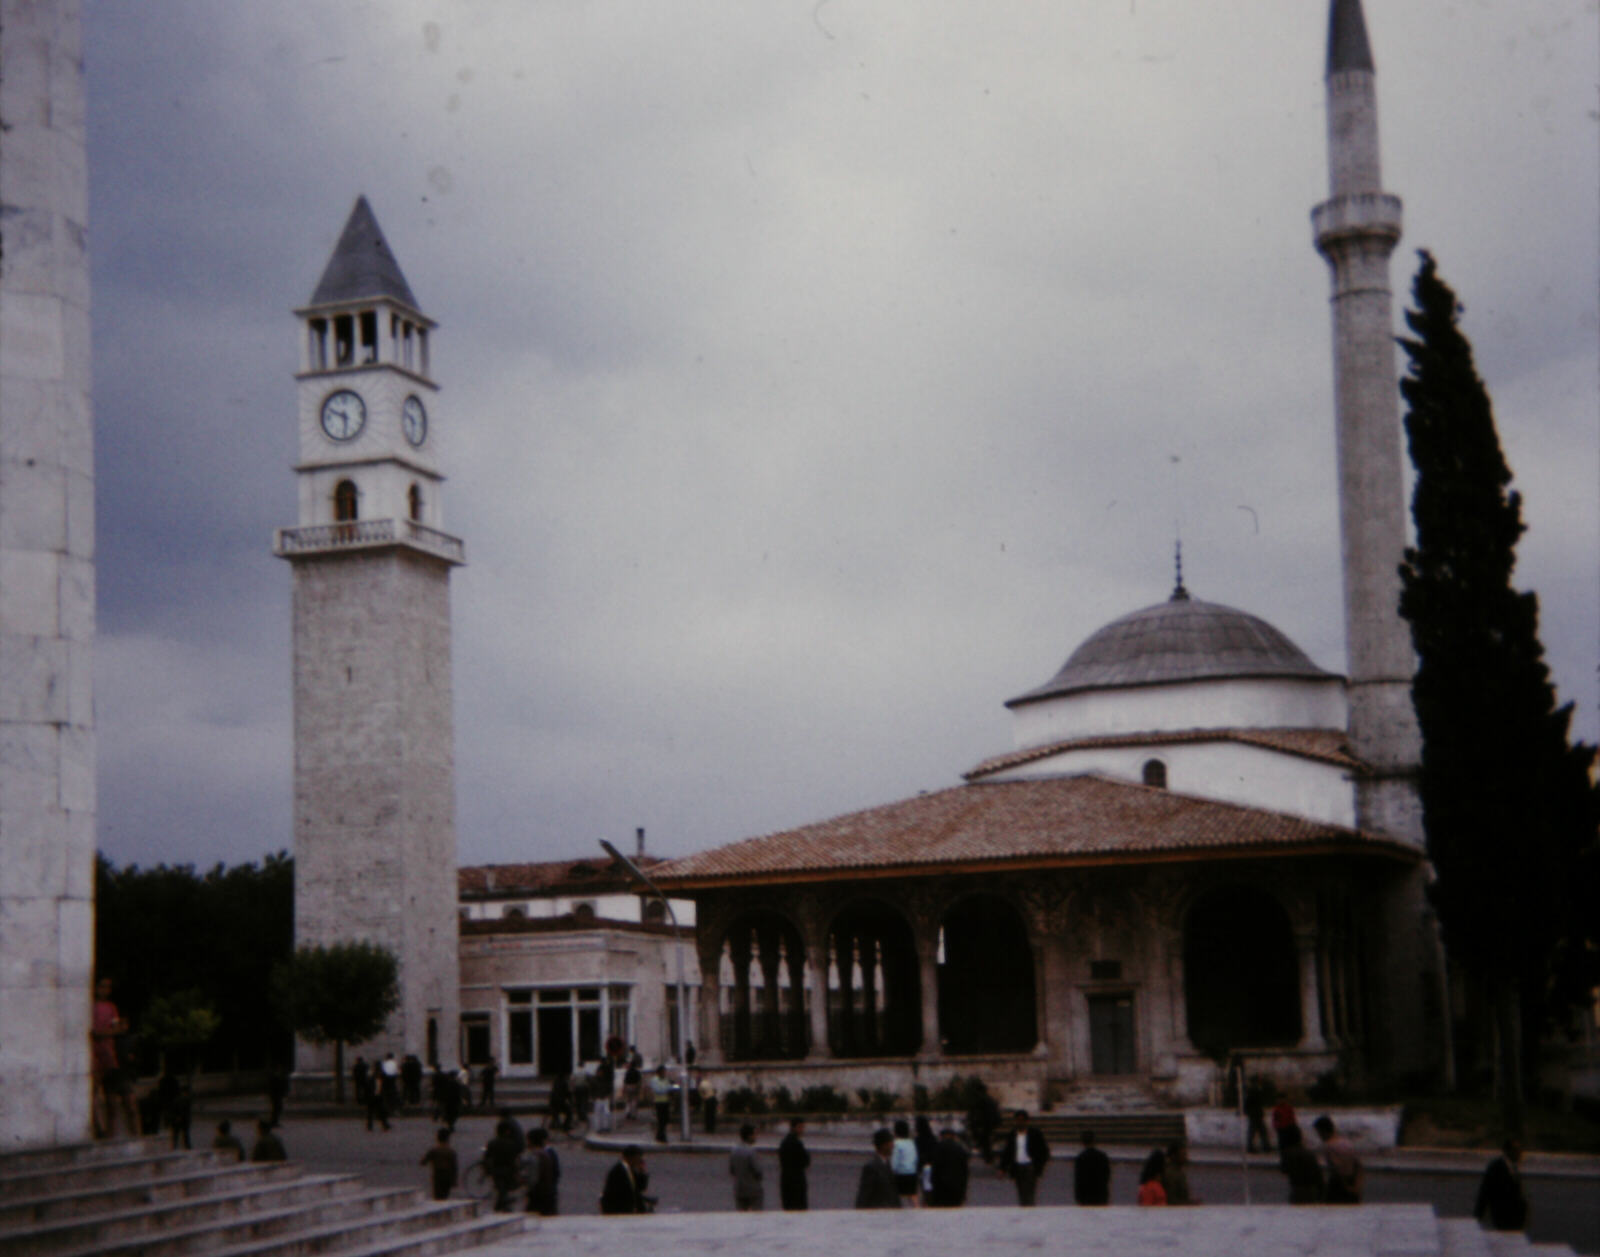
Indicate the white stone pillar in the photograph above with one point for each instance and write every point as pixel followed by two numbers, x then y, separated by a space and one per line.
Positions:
pixel 47 767
pixel 928 979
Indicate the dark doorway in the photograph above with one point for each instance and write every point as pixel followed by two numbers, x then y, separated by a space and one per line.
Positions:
pixel 555 1041
pixel 1241 976
pixel 986 1000
pixel 1111 1043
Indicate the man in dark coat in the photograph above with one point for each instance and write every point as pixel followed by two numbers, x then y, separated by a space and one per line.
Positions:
pixel 500 1159
pixel 793 1161
pixel 877 1189
pixel 948 1171
pixel 1091 1174
pixel 1500 1194
pixel 625 1184
pixel 1024 1156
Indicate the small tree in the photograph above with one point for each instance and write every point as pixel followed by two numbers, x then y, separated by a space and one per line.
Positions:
pixel 1509 809
pixel 338 994
pixel 179 1025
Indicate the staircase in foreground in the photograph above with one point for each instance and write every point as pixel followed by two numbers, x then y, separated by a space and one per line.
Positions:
pixel 136 1198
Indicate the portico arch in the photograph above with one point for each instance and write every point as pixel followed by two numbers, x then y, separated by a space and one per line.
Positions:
pixel 874 992
pixel 763 965
pixel 1241 971
pixel 986 981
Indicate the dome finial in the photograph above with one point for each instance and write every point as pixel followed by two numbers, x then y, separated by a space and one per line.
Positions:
pixel 1179 593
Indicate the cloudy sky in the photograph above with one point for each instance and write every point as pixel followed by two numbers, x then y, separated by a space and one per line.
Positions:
pixel 816 375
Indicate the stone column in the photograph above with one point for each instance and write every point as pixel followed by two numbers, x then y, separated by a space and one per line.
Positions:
pixel 817 958
pixel 711 1005
pixel 1311 1039
pixel 928 981
pixel 47 751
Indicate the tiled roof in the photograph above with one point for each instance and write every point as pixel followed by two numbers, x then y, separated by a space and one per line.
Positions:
pixel 362 265
pixel 549 877
pixel 1331 746
pixel 1044 822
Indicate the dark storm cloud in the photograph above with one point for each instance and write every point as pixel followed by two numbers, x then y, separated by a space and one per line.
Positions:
pixel 809 388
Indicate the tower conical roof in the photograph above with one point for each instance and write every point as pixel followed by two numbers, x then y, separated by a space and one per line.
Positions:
pixel 1348 48
pixel 362 265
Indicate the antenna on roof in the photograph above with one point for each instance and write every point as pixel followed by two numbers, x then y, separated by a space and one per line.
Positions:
pixel 1179 593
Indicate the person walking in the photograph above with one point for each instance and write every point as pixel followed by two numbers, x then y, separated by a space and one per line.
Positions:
pixel 794 1189
pixel 1299 1166
pixel 227 1141
pixel 661 1098
pixel 1091 1174
pixel 111 1088
pixel 632 1085
pixel 1151 1189
pixel 1024 1156
pixel 442 1164
pixel 1175 1178
pixel 903 1161
pixel 360 1079
pixel 449 1098
pixel 560 1108
pixel 749 1193
pixel 1283 1116
pixel 377 1111
pixel 708 1104
pixel 1255 1113
pixel 540 1172
pixel 625 1184
pixel 486 1080
pixel 948 1172
pixel 268 1146
pixel 389 1086
pixel 411 1079
pixel 605 1084
pixel 1501 1196
pixel 876 1188
pixel 500 1157
pixel 1346 1176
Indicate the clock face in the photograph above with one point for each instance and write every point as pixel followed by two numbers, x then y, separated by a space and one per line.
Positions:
pixel 414 421
pixel 344 414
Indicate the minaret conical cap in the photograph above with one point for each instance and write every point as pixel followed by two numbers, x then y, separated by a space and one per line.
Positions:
pixel 362 266
pixel 1348 48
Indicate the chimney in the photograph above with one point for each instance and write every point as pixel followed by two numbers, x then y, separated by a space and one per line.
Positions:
pixel 638 841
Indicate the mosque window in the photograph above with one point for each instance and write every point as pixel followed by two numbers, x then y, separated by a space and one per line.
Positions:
pixel 414 499
pixel 344 502
pixel 515 912
pixel 654 910
pixel 583 910
pixel 1155 773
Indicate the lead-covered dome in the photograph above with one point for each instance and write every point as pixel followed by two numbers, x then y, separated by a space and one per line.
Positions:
pixel 1181 639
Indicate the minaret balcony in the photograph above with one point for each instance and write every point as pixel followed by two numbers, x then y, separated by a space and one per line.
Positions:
pixel 1356 214
pixel 368 534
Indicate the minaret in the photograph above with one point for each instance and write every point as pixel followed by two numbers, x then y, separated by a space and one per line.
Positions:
pixel 374 793
pixel 1356 229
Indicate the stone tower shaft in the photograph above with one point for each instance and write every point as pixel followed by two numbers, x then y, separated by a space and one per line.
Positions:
pixel 1356 229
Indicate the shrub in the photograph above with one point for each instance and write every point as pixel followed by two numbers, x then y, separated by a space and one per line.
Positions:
pixel 783 1101
pixel 823 1099
pixel 745 1100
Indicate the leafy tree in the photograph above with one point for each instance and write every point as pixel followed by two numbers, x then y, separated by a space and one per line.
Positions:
pixel 179 1024
pixel 1509 807
pixel 338 994
pixel 167 929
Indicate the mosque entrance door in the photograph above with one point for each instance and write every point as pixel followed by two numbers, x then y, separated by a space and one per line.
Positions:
pixel 1111 1034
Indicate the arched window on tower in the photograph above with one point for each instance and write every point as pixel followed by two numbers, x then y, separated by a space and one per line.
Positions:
pixel 414 498
pixel 344 502
pixel 1155 774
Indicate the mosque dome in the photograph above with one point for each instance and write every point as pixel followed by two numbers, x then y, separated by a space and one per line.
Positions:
pixel 1179 640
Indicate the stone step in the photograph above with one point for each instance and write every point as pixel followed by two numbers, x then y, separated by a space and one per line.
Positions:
pixel 1463 1237
pixel 352 1211
pixel 186 1179
pixel 397 1231
pixel 486 1228
pixel 165 1217
pixel 129 1166
pixel 29 1160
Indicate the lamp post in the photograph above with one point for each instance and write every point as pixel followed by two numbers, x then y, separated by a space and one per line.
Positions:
pixel 638 875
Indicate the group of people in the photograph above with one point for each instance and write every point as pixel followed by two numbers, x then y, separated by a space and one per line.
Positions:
pixel 386 1088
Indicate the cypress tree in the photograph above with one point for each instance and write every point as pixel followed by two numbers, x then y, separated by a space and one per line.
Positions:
pixel 1509 807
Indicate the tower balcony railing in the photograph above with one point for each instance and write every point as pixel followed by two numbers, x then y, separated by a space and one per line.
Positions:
pixel 368 534
pixel 1356 214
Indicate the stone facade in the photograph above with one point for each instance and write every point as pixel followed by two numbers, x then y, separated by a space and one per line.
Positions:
pixel 374 763
pixel 47 765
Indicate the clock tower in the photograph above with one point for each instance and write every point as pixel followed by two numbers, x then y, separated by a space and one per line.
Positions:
pixel 374 793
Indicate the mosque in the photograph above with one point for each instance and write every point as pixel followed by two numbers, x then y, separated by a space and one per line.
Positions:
pixel 1199 847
